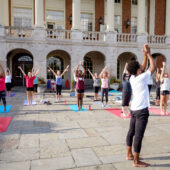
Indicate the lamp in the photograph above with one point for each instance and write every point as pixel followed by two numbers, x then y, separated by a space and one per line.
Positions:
pixel 70 19
pixel 100 20
pixel 127 23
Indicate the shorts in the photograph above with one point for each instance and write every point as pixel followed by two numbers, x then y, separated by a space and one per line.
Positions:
pixel 58 89
pixel 30 89
pixel 35 88
pixel 8 86
pixel 96 89
pixel 164 92
pixel 3 96
pixel 126 99
pixel 80 91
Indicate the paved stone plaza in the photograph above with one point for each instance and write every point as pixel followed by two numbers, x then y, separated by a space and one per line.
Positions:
pixel 53 137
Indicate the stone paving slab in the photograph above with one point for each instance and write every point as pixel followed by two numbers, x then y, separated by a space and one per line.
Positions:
pixel 53 163
pixel 85 157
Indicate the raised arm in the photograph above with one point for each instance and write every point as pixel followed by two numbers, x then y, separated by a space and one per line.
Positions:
pixel 8 70
pixel 162 71
pixel 104 69
pixel 144 51
pixel 84 71
pixel 52 71
pixel 151 61
pixel 66 69
pixel 168 71
pixel 37 72
pixel 125 69
pixel 91 73
pixel 22 71
pixel 2 70
pixel 157 73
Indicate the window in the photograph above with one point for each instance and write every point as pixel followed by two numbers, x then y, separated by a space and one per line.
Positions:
pixel 117 1
pixel 22 17
pixel 86 22
pixel 117 23
pixel 134 2
pixel 88 64
pixel 133 25
pixel 56 63
pixel 25 58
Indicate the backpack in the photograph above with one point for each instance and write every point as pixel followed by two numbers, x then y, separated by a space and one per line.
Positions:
pixel 80 84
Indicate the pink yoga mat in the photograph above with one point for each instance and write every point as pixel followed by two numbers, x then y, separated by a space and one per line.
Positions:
pixel 4 123
pixel 117 112
pixel 157 111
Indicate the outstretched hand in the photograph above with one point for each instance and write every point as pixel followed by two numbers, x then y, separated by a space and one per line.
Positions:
pixel 19 67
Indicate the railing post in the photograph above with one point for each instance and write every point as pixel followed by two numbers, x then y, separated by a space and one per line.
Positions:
pixel 111 37
pixel 142 39
pixel 167 40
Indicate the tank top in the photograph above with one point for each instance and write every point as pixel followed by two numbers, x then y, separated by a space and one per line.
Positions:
pixel 2 84
pixel 8 79
pixel 165 84
pixel 58 80
pixel 80 83
pixel 105 83
pixel 96 82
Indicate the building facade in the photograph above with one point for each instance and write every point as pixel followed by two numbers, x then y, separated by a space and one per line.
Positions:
pixel 100 33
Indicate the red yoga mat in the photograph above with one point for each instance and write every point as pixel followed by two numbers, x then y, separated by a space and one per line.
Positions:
pixel 117 112
pixel 157 111
pixel 4 123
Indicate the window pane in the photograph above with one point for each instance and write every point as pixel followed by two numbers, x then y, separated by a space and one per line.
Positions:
pixel 54 15
pixel 88 65
pixel 86 22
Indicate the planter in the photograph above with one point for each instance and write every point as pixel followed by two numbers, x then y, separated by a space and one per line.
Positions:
pixel 41 88
pixel 114 86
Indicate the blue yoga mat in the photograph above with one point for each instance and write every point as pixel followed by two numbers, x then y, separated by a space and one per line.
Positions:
pixel 72 94
pixel 114 91
pixel 12 94
pixel 8 107
pixel 75 108
pixel 101 94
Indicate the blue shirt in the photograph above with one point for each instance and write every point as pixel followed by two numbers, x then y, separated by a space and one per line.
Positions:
pixel 36 80
pixel 58 80
pixel 126 84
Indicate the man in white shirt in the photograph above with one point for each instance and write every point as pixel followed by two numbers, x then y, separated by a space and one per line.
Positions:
pixel 139 107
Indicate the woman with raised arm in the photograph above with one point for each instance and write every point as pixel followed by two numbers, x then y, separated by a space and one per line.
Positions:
pixel 8 81
pixel 58 77
pixel 104 76
pixel 29 84
pixel 2 87
pixel 158 83
pixel 126 91
pixel 80 87
pixel 165 85
pixel 139 107
pixel 96 84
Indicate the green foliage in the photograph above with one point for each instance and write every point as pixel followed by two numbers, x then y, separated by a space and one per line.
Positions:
pixel 41 80
pixel 114 80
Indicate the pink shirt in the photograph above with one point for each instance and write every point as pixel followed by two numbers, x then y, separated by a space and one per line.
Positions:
pixel 105 83
pixel 2 83
pixel 29 81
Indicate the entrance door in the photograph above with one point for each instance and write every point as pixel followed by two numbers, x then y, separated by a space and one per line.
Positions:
pixel 26 63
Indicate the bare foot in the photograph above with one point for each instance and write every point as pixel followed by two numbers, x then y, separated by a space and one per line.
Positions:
pixel 130 157
pixel 140 164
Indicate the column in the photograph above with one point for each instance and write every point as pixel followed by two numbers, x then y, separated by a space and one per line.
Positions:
pixel 39 13
pixel 4 13
pixel 167 17
pixel 110 15
pixel 76 14
pixel 141 17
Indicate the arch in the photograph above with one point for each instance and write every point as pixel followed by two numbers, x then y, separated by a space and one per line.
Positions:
pixel 19 57
pixel 58 60
pixel 122 59
pixel 159 58
pixel 94 61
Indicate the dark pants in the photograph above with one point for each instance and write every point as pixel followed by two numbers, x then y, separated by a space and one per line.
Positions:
pixel 105 92
pixel 138 123
pixel 58 89
pixel 149 87
pixel 3 97
pixel 158 93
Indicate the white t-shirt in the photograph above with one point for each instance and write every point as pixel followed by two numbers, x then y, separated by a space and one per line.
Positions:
pixel 140 91
pixel 165 85
pixel 8 79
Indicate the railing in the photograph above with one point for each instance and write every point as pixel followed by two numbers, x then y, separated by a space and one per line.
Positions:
pixel 58 34
pixel 18 32
pixel 93 36
pixel 156 39
pixel 126 38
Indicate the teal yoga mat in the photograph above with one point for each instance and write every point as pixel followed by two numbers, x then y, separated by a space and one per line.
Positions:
pixel 75 108
pixel 114 91
pixel 8 107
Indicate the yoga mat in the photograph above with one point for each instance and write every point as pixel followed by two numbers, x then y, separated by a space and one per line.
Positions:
pixel 26 103
pixel 116 111
pixel 75 108
pixel 114 91
pixel 12 94
pixel 4 123
pixel 157 111
pixel 108 94
pixel 8 107
pixel 72 94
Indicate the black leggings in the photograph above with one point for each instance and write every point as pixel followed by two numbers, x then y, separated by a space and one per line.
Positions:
pixel 138 123
pixel 105 92
pixel 149 87
pixel 58 89
pixel 3 97
pixel 157 93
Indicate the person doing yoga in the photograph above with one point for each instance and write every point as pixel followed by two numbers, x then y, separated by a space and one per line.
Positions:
pixel 8 82
pixel 158 84
pixel 139 107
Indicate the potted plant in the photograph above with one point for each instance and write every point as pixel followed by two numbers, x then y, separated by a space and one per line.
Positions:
pixel 41 85
pixel 114 83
